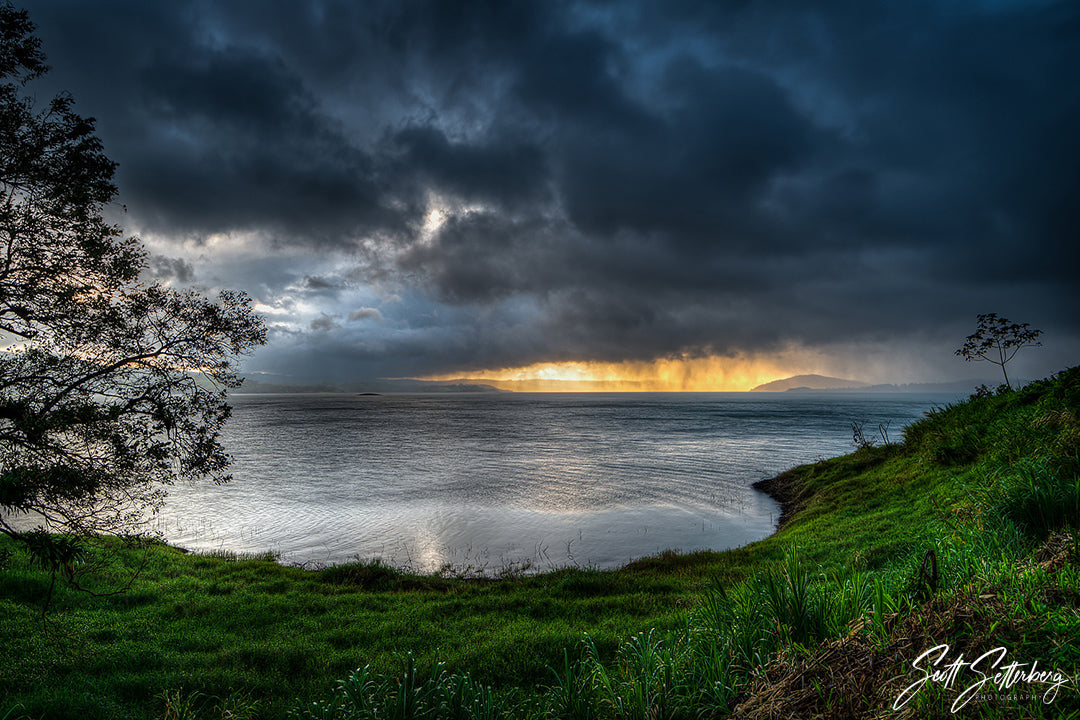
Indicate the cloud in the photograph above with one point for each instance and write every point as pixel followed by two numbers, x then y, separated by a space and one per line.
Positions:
pixel 586 181
pixel 366 313
pixel 166 269
pixel 509 176
pixel 317 283
pixel 324 323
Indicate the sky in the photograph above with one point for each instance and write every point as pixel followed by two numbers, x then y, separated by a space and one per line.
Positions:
pixel 685 195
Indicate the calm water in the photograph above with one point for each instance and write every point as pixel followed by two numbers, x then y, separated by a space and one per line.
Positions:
pixel 489 480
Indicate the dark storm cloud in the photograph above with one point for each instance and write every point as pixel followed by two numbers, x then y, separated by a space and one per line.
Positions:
pixel 611 180
pixel 720 136
pixel 506 176
pixel 210 137
pixel 236 142
pixel 168 268
pixel 317 283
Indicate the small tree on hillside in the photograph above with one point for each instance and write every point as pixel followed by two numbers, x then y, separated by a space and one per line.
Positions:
pixel 110 390
pixel 996 340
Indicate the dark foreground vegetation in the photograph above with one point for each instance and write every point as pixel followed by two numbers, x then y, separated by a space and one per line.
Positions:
pixel 963 534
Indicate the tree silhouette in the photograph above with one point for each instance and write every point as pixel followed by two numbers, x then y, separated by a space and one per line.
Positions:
pixel 110 389
pixel 996 340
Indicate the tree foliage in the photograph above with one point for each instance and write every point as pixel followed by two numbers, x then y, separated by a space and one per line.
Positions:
pixel 110 388
pixel 996 340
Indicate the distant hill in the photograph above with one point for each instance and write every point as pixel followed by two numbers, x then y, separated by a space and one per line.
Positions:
pixel 821 383
pixel 964 387
pixel 809 382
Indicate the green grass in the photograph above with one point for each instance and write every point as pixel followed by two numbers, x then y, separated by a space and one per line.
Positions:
pixel 984 484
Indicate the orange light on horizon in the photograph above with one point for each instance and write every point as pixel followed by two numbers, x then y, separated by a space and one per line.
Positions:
pixel 713 373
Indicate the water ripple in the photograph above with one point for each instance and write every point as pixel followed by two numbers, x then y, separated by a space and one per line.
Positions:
pixel 489 480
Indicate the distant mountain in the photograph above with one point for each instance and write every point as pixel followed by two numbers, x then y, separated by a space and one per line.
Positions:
pixel 820 383
pixel 964 387
pixel 809 382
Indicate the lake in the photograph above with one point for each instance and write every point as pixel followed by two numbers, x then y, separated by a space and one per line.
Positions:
pixel 488 481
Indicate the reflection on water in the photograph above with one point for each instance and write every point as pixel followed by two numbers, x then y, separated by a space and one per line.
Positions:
pixel 492 480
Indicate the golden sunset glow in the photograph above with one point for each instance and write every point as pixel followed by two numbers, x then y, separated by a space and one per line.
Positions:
pixel 672 374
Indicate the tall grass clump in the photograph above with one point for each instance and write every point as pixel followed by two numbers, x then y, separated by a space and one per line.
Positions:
pixel 200 706
pixel 412 694
pixel 731 624
pixel 800 614
pixel 571 696
pixel 970 549
pixel 1038 497
pixel 645 681
pixel 799 609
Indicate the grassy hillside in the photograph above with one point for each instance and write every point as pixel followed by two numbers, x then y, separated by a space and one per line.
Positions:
pixel 823 618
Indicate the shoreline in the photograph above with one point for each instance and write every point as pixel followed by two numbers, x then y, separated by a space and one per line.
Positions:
pixel 787 489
